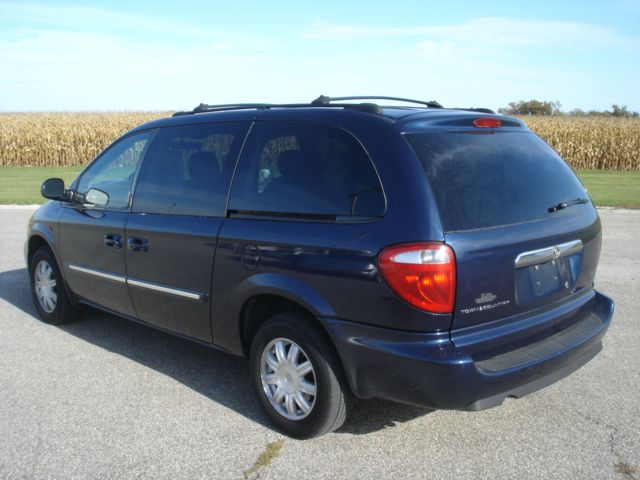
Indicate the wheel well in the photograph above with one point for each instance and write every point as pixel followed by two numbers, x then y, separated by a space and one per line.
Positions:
pixel 35 243
pixel 261 308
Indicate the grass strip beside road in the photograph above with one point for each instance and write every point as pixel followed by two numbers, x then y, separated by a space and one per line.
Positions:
pixel 613 189
pixel 21 185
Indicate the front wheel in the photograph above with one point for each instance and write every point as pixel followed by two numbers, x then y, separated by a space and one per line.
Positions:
pixel 48 289
pixel 297 377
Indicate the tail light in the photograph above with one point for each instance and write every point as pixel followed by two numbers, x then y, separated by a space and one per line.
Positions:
pixel 423 274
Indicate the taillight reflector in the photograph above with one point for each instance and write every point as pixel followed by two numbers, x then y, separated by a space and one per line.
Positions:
pixel 487 122
pixel 423 274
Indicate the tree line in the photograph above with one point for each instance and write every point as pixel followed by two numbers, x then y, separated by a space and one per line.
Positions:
pixel 538 107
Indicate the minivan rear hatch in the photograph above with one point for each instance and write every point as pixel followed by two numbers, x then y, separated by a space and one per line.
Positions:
pixel 521 225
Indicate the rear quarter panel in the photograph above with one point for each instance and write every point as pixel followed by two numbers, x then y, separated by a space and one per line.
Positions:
pixel 331 268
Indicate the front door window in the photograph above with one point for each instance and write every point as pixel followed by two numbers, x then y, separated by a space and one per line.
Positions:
pixel 113 172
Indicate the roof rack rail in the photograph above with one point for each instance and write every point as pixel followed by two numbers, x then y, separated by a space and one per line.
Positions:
pixel 323 100
pixel 203 107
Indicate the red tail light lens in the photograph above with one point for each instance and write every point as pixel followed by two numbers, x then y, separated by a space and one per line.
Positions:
pixel 487 122
pixel 423 274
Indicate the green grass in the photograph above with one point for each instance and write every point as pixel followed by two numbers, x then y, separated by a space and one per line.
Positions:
pixel 615 189
pixel 21 185
pixel 265 459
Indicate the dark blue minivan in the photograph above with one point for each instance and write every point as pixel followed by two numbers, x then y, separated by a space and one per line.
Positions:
pixel 405 251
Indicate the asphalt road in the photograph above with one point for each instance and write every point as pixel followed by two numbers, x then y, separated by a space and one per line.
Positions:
pixel 107 398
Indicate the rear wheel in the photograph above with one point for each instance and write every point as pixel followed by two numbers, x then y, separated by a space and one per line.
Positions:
pixel 48 289
pixel 297 377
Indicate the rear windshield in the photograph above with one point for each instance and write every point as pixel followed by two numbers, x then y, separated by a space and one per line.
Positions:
pixel 483 180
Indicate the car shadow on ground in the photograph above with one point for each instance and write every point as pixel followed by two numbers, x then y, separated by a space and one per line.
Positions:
pixel 221 377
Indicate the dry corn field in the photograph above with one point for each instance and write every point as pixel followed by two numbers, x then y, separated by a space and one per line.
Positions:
pixel 65 139
pixel 62 139
pixel 592 143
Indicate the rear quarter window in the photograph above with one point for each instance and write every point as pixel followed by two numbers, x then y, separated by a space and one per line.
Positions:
pixel 306 169
pixel 483 180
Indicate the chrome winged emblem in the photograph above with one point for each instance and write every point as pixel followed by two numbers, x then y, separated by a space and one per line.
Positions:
pixel 485 297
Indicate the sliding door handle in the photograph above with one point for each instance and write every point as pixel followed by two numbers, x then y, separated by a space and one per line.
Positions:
pixel 113 240
pixel 137 244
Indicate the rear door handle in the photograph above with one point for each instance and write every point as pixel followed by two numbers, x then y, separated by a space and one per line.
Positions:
pixel 113 240
pixel 137 244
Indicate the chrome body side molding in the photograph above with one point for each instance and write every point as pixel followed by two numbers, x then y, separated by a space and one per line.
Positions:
pixel 139 283
pixel 98 273
pixel 171 291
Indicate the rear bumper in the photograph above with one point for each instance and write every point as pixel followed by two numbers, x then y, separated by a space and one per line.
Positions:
pixel 476 368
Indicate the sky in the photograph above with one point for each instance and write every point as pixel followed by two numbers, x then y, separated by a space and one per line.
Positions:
pixel 151 55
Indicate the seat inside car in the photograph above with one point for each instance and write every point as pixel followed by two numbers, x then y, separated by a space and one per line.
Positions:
pixel 204 172
pixel 300 181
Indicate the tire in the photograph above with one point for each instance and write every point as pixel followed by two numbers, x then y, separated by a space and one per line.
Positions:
pixel 283 395
pixel 48 289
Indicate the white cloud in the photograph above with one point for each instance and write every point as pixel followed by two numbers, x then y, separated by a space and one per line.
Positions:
pixel 88 58
pixel 90 18
pixel 58 57
pixel 486 31
pixel 78 70
pixel 491 61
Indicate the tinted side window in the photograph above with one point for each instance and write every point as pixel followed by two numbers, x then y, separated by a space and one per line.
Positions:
pixel 113 172
pixel 188 169
pixel 305 168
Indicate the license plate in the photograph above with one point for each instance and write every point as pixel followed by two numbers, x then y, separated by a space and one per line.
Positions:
pixel 542 280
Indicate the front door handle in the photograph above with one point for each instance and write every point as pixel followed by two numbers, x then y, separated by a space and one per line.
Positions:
pixel 137 244
pixel 113 240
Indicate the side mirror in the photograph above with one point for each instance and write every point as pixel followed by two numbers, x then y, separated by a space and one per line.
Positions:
pixel 53 189
pixel 96 197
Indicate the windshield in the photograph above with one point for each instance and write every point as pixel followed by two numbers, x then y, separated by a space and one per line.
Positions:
pixel 483 180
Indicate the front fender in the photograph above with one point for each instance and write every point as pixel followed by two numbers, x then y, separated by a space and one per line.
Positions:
pixel 44 224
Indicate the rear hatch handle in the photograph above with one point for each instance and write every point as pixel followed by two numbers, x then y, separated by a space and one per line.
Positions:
pixel 543 255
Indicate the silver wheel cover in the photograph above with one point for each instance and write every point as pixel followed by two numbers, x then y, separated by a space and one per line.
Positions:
pixel 288 379
pixel 45 286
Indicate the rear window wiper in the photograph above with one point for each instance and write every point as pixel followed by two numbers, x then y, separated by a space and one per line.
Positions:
pixel 563 205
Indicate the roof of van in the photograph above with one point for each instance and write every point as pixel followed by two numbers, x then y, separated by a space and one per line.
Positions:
pixel 425 112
